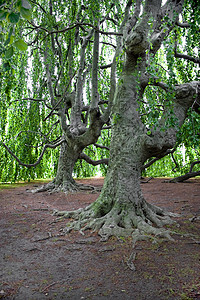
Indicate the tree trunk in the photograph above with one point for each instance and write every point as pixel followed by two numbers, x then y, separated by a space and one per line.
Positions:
pixel 121 206
pixel 69 154
pixel 121 202
pixel 67 159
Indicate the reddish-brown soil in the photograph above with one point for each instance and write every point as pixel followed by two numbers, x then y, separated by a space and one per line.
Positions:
pixel 38 262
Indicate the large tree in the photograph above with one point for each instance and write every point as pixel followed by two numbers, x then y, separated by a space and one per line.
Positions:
pixel 149 83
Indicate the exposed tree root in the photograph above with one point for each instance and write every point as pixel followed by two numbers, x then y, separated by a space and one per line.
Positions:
pixel 120 221
pixel 66 187
pixel 141 223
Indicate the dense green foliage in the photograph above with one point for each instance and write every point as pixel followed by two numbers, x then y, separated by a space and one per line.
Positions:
pixel 26 101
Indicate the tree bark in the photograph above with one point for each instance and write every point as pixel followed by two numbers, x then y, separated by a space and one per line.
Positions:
pixel 69 154
pixel 121 206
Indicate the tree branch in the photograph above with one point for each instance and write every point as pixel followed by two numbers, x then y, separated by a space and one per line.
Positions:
pixel 93 162
pixel 95 61
pixel 61 99
pixel 40 157
pixel 151 162
pixel 193 164
pixel 30 99
pixel 183 25
pixel 196 60
pixel 101 146
pixel 185 177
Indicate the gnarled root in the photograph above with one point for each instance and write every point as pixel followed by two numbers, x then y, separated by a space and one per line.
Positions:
pixel 142 223
pixel 120 221
pixel 65 186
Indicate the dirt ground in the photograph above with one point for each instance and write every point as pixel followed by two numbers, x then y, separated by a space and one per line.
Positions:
pixel 38 262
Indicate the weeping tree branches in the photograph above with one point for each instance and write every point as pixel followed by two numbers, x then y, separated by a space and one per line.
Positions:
pixel 51 146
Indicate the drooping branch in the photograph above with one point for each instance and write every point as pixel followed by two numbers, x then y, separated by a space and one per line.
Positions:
pixel 71 27
pixel 38 4
pixel 152 161
pixel 185 177
pixel 119 41
pixel 49 79
pixel 183 25
pixel 93 162
pixel 193 164
pixel 40 157
pixel 106 66
pixel 30 99
pixel 175 162
pixel 185 56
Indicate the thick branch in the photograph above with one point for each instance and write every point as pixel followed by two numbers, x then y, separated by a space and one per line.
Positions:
pixel 101 146
pixel 93 162
pixel 193 164
pixel 152 161
pixel 183 25
pixel 196 60
pixel 160 141
pixel 95 60
pixel 78 103
pixel 171 9
pixel 185 177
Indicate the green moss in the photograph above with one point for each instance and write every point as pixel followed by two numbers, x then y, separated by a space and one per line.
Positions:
pixel 21 183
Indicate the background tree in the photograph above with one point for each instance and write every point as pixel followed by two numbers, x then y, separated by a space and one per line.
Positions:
pixel 63 81
pixel 148 89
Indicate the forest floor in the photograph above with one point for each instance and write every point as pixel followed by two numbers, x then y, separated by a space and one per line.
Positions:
pixel 38 262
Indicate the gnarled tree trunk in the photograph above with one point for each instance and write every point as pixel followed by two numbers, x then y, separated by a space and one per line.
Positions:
pixel 67 159
pixel 121 206
pixel 69 154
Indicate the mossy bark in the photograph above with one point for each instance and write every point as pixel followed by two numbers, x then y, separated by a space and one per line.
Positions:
pixel 69 154
pixel 121 207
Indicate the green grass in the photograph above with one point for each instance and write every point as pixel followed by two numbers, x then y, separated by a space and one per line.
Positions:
pixel 22 183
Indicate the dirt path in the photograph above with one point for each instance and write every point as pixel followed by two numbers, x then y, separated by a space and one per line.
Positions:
pixel 38 262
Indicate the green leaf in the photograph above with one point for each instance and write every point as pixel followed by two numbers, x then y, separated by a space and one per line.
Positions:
pixel 26 4
pixel 9 53
pixel 7 41
pixel 3 14
pixel 11 39
pixel 10 32
pixel 1 37
pixel 13 17
pixel 26 13
pixel 6 66
pixel 21 45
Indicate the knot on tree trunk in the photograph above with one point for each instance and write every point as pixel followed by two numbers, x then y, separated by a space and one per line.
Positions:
pixel 159 142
